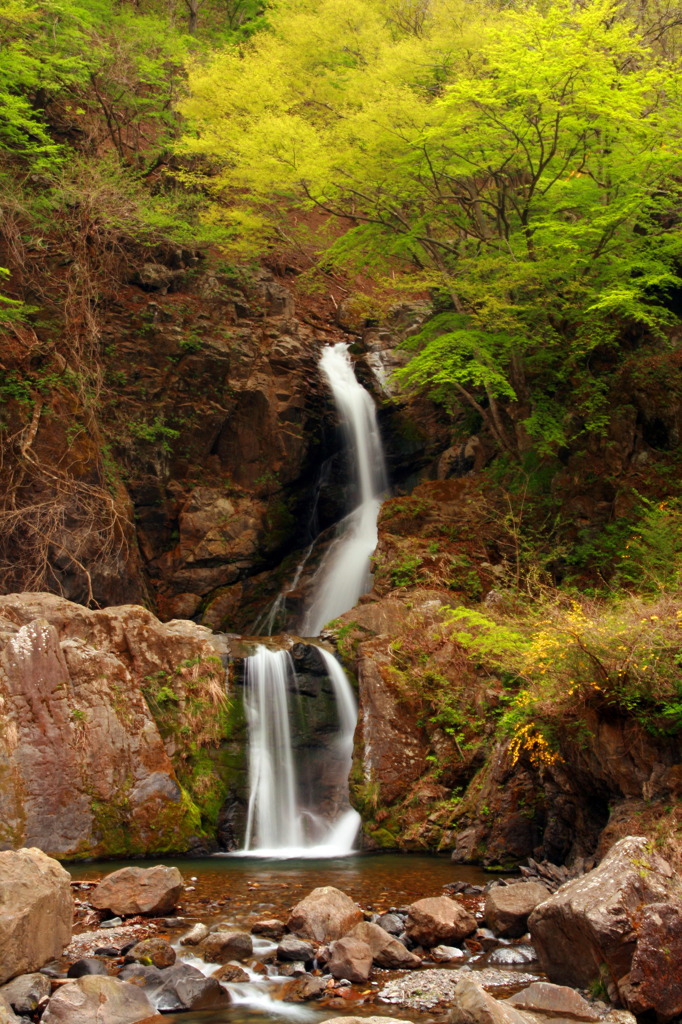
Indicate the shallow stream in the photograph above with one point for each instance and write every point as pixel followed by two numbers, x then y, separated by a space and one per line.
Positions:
pixel 240 890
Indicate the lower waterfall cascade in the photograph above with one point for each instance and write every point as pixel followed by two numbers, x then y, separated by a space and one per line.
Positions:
pixel 278 824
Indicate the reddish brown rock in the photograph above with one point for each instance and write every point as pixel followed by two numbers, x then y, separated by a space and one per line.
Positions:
pixel 139 891
pixel 508 907
pixel 231 973
pixel 350 959
pixel 36 911
pixel 655 981
pixel 271 928
pixel 221 946
pixel 96 998
pixel 324 915
pixel 438 919
pixel 553 1001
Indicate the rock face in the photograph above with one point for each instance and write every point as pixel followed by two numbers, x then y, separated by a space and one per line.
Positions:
pixel 36 911
pixel 324 915
pixel 139 891
pixel 437 920
pixel 83 768
pixel 508 907
pixel 589 929
pixel 655 982
pixel 97 998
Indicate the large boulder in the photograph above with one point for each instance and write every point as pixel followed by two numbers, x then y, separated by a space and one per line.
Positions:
pixel 177 988
pixel 588 929
pixel 139 891
pixel 325 914
pixel 473 1005
pixel 350 958
pixel 437 920
pixel 655 981
pixel 386 950
pixel 508 907
pixel 36 911
pixel 96 998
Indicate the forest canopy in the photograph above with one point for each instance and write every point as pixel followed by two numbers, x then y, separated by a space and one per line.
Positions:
pixel 522 164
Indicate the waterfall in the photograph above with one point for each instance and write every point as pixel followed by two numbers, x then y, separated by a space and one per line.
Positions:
pixel 344 573
pixel 278 822
pixel 278 825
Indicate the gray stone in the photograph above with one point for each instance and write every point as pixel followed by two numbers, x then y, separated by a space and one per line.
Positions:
pixel 195 935
pixel 97 999
pixel 88 965
pixel 509 956
pixel 25 992
pixel 177 988
pixel 446 954
pixel 391 923
pixel 293 948
pixel 36 911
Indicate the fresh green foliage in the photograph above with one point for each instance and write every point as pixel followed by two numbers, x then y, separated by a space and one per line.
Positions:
pixel 520 163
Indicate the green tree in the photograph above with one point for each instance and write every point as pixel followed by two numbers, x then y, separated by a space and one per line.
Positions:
pixel 521 163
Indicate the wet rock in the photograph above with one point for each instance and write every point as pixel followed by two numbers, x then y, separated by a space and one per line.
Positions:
pixel 589 925
pixel 157 952
pixel 446 954
pixel 386 950
pixel 293 948
pixel 272 929
pixel 293 969
pixel 110 951
pixel 350 958
pixel 508 907
pixel 96 998
pixel 367 1020
pixel 85 967
pixel 394 924
pixel 177 988
pixel 324 915
pixel 221 946
pixel 195 935
pixel 655 981
pixel 25 992
pixel 139 891
pixel 495 979
pixel 230 974
pixel 437 920
pixel 34 889
pixel 553 1001
pixel 473 1005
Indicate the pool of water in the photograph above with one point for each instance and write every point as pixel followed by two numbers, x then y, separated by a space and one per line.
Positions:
pixel 241 890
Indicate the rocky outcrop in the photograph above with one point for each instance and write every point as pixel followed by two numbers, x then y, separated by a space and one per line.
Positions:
pixel 139 891
pixel 36 911
pixel 325 914
pixel 590 929
pixel 84 770
pixel 437 920
pixel 655 981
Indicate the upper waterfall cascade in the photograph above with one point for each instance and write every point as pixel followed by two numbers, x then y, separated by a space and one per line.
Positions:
pixel 343 575
pixel 279 823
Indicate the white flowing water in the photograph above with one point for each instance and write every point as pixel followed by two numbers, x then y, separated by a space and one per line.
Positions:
pixel 277 825
pixel 344 573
